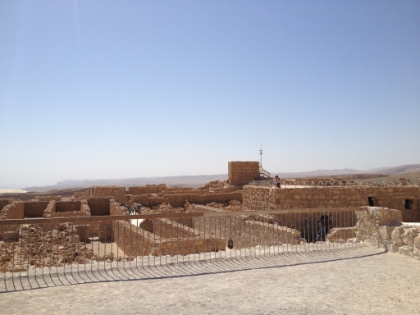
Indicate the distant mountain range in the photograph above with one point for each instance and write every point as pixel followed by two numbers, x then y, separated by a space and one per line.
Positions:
pixel 348 171
pixel 199 180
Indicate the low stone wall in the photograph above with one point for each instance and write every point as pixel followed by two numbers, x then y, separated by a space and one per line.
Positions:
pixel 244 230
pixel 67 206
pixel 269 198
pixel 341 234
pixel 35 209
pixel 79 195
pixel 132 240
pixel 145 200
pixel 48 198
pixel 166 228
pixel 148 189
pixel 384 226
pixel 115 192
pixel 178 200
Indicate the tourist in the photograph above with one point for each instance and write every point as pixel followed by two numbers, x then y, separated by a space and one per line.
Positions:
pixel 230 243
pixel 277 181
pixel 129 210
pixel 321 229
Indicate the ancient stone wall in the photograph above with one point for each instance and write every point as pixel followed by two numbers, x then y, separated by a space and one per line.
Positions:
pixel 99 205
pixel 14 210
pixel 244 231
pixel 79 195
pixel 266 198
pixel 115 192
pixel 35 209
pixel 148 189
pixel 67 206
pixel 167 229
pixel 50 209
pixel 178 200
pixel 5 202
pixel 241 173
pixel 384 226
pixel 48 198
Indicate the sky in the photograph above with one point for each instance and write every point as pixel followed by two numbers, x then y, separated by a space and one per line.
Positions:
pixel 123 89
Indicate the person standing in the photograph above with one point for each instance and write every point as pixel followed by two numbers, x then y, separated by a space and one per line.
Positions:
pixel 277 181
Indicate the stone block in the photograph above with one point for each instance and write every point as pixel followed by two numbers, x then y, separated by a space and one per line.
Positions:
pixel 396 236
pixel 393 248
pixel 406 250
pixel 416 242
pixel 341 234
pixel 385 232
pixel 408 236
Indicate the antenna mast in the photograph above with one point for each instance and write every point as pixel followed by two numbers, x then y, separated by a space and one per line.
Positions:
pixel 261 153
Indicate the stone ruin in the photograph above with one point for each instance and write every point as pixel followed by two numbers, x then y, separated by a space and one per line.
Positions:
pixel 67 241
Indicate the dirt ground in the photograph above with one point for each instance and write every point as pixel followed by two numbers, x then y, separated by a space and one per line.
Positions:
pixel 381 283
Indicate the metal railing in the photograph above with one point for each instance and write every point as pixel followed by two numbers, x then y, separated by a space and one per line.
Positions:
pixel 306 183
pixel 45 252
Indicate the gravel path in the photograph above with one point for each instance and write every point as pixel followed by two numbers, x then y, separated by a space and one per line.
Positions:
pixel 381 283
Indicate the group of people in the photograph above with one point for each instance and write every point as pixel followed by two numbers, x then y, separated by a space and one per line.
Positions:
pixel 132 210
pixel 323 226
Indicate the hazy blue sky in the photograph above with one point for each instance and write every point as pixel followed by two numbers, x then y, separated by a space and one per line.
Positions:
pixel 117 89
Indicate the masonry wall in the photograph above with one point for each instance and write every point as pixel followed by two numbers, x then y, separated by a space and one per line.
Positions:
pixel 67 206
pixel 241 173
pixel 115 192
pixel 5 202
pixel 244 230
pixel 165 228
pixel 48 198
pixel 178 200
pixel 35 209
pixel 14 210
pixel 266 198
pixel 99 205
pixel 148 189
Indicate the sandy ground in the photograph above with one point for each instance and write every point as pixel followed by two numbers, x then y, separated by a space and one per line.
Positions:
pixel 365 283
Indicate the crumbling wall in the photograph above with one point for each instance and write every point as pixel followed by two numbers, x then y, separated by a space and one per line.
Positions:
pixel 15 210
pixel 5 202
pixel 241 173
pixel 384 226
pixel 267 198
pixel 178 200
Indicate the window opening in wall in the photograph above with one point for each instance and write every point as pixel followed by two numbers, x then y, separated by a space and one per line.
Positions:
pixel 371 201
pixel 408 204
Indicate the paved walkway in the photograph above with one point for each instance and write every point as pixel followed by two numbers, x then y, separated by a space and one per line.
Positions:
pixel 370 282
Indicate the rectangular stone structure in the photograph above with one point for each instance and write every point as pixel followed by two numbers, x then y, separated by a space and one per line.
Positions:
pixel 241 173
